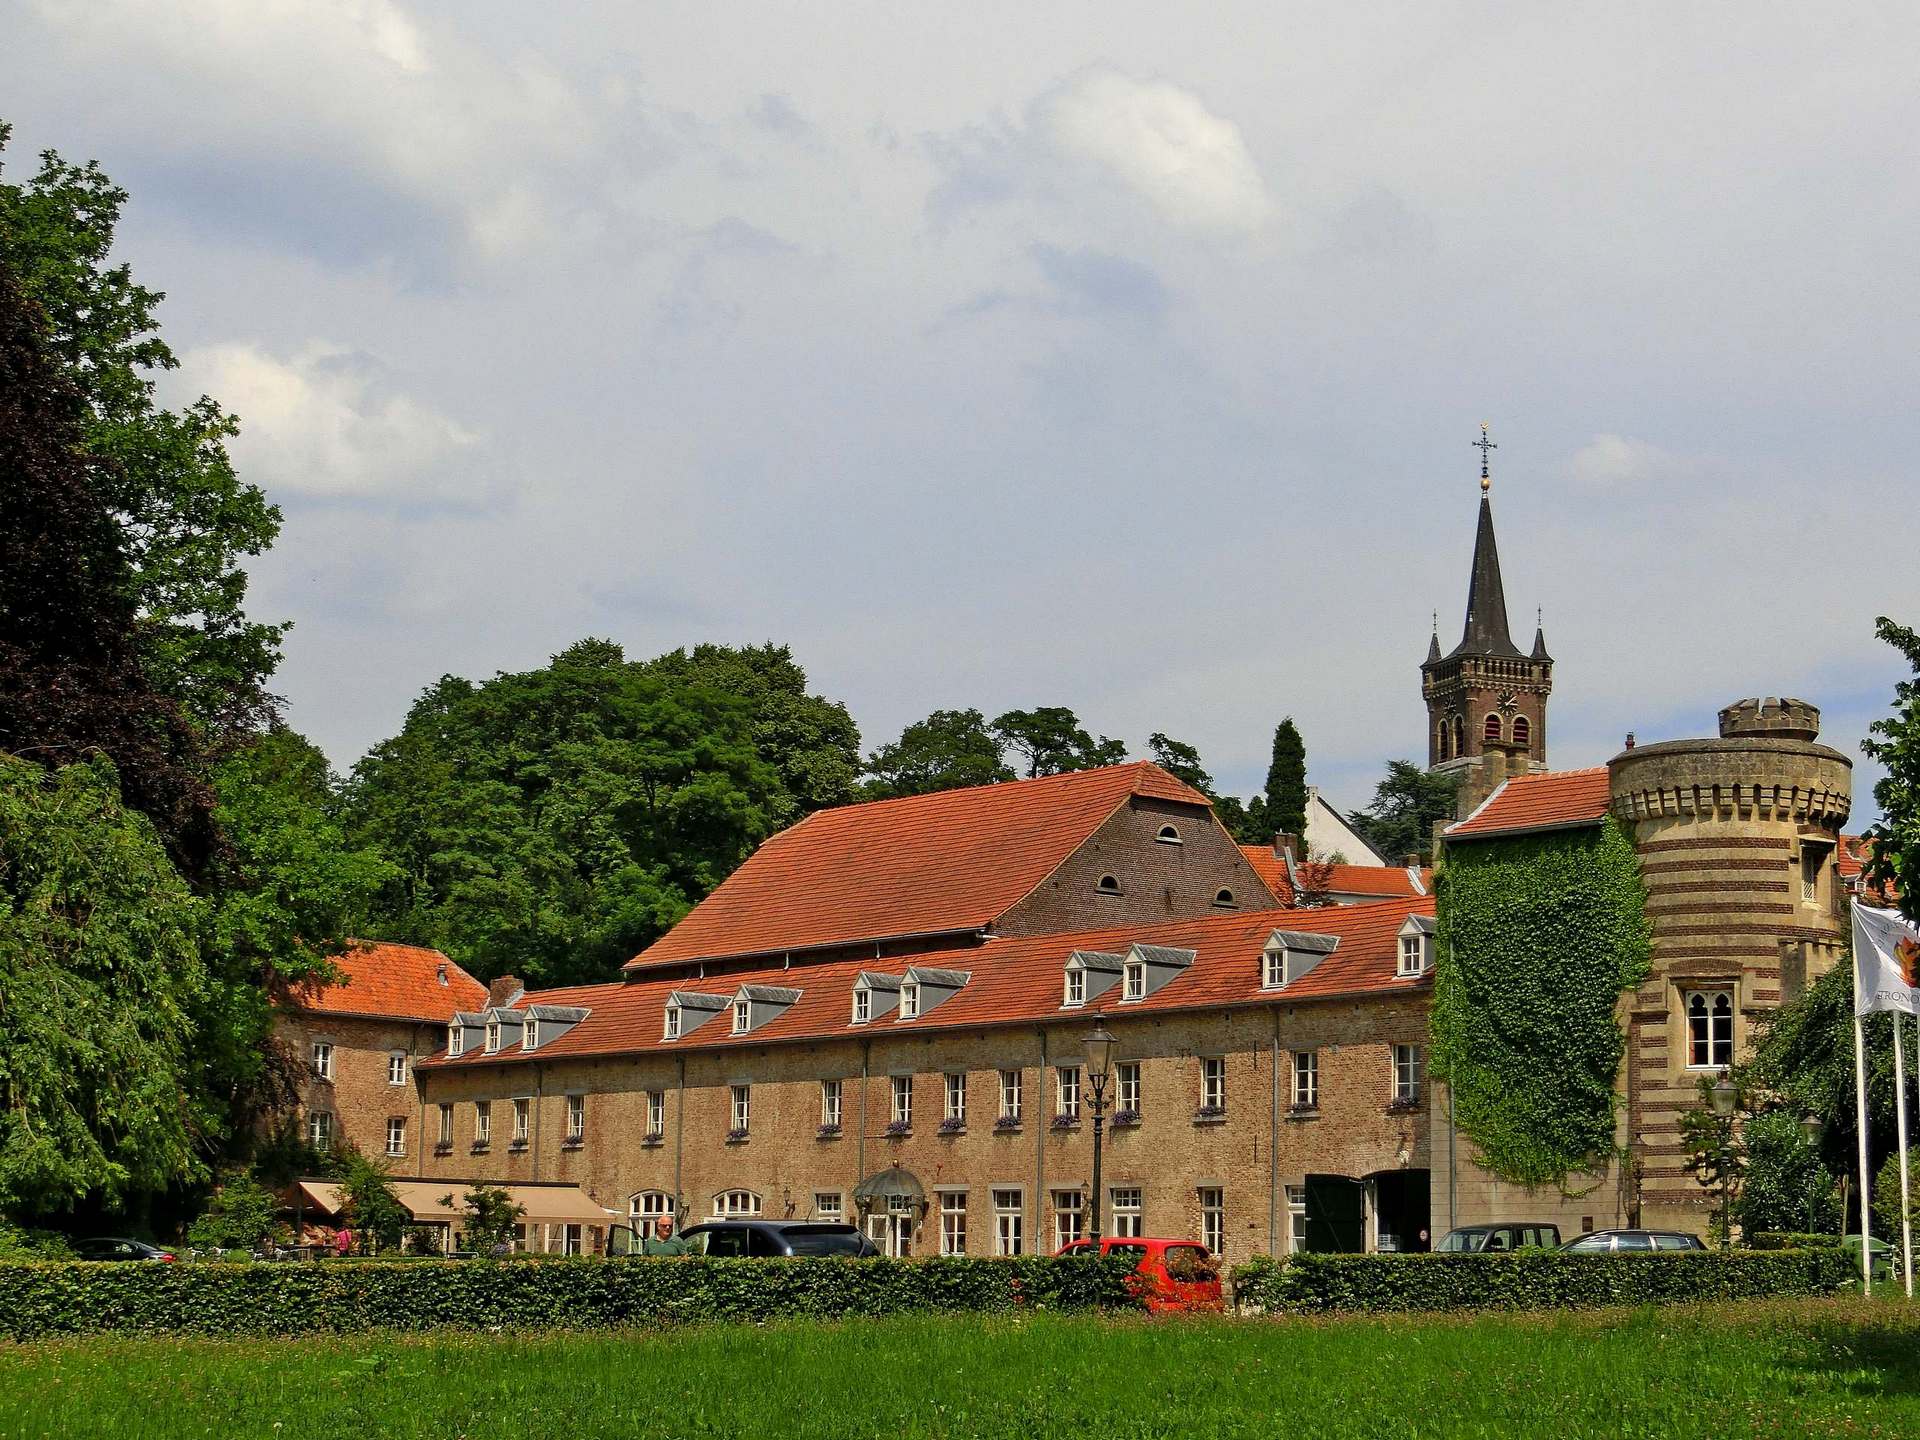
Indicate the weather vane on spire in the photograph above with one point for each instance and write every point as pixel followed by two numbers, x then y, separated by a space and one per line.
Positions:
pixel 1484 445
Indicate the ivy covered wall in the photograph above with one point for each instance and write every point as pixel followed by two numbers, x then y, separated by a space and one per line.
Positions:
pixel 1538 936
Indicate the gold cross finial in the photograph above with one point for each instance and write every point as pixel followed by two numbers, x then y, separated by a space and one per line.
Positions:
pixel 1483 445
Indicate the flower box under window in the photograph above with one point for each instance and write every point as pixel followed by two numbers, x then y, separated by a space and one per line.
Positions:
pixel 516 1147
pixel 900 1127
pixel 574 1142
pixel 480 1147
pixel 1007 1122
pixel 1066 1122
pixel 736 1135
pixel 1209 1114
pixel 443 1147
pixel 1123 1119
pixel 952 1126
pixel 1403 1105
pixel 1304 1107
pixel 829 1131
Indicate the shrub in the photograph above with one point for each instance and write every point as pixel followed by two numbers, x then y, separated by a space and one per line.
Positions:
pixel 1886 1194
pixel 1531 1279
pixel 343 1297
pixel 240 1216
pixel 1790 1240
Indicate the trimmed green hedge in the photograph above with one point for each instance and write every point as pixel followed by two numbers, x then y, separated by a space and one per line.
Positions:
pixel 1531 1279
pixel 66 1299
pixel 1791 1240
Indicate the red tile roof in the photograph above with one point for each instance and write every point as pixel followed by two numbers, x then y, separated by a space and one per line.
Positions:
pixel 1381 880
pixel 1852 856
pixel 922 865
pixel 1011 980
pixel 403 982
pixel 1551 800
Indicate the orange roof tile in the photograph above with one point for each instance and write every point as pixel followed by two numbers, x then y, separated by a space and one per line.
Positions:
pixel 1852 856
pixel 404 982
pixel 1011 980
pixel 1552 800
pixel 1381 880
pixel 934 864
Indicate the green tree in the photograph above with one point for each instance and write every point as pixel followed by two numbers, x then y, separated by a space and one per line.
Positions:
pixel 1405 806
pixel 1716 1152
pixel 811 742
pixel 1786 1186
pixel 552 822
pixel 1895 743
pixel 1181 761
pixel 1286 792
pixel 100 969
pixel 187 522
pixel 490 1215
pixel 1052 742
pixel 949 750
pixel 1886 1194
pixel 240 1214
pixel 371 1206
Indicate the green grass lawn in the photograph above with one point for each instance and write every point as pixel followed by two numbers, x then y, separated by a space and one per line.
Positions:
pixel 1836 1367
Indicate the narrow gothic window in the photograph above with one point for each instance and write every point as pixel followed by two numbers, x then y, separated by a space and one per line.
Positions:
pixel 1459 736
pixel 1493 727
pixel 1522 731
pixel 1440 743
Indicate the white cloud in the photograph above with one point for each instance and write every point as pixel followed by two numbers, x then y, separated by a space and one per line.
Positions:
pixel 320 425
pixel 1616 462
pixel 1160 141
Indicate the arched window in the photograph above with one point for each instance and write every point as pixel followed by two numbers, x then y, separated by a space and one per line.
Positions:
pixel 1459 736
pixel 649 1205
pixel 1168 835
pixel 1709 1029
pixel 1108 885
pixel 1493 728
pixel 735 1204
pixel 1522 731
pixel 1440 742
pixel 1223 898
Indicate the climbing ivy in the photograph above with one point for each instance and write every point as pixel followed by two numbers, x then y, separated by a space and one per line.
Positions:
pixel 1538 936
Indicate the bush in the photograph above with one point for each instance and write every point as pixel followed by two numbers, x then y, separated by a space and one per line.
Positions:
pixel 1531 1280
pixel 1790 1240
pixel 65 1299
pixel 21 1243
pixel 1886 1194
pixel 240 1215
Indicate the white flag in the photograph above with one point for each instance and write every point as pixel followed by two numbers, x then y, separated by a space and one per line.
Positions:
pixel 1886 962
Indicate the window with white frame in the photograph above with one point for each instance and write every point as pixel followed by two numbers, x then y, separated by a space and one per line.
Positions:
pixel 1168 835
pixel 576 1119
pixel 456 1041
pixel 956 1107
pixel 862 1004
pixel 1813 859
pixel 953 1222
pixel 1010 1096
pixel 672 1027
pixel 1128 1220
pixel 396 1135
pixel 1213 1218
pixel 522 1120
pixel 1009 1229
pixel 493 1036
pixel 830 1103
pixel 828 1206
pixel 320 1131
pixel 903 1100
pixel 1273 968
pixel 563 1239
pixel 736 1204
pixel 1069 1218
pixel 648 1206
pixel 1306 1079
pixel 323 1060
pixel 909 999
pixel 1413 954
pixel 1406 1074
pixel 742 1107
pixel 742 1016
pixel 1076 985
pixel 1213 1084
pixel 446 1123
pixel 656 1112
pixel 482 1121
pixel 1135 985
pixel 1296 1219
pixel 396 1067
pixel 1066 1092
pixel 1709 1029
pixel 1126 1087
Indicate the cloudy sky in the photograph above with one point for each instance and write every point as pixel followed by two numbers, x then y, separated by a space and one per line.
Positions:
pixel 1113 355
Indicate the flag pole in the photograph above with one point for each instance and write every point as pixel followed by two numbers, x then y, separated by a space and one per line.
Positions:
pixel 1866 1184
pixel 1900 1116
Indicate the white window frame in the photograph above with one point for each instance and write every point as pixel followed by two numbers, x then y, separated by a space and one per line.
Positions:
pixel 1413 955
pixel 670 1028
pixel 910 1000
pixel 1273 968
pixel 522 1119
pixel 493 1037
pixel 1126 1086
pixel 456 1041
pixel 1127 1208
pixel 1010 1096
pixel 1306 1079
pixel 396 1067
pixel 956 1097
pixel 862 1004
pixel 1296 1219
pixel 577 1118
pixel 1408 1074
pixel 829 1206
pixel 1213 1082
pixel 1213 1217
pixel 656 1112
pixel 1076 986
pixel 446 1122
pixel 1134 986
pixel 322 1054
pixel 742 1016
pixel 953 1222
pixel 1066 1092
pixel 741 1106
pixel 483 1122
pixel 646 1207
pixel 320 1130
pixel 902 1089
pixel 1712 1013
pixel 1009 1221
pixel 1069 1218
pixel 397 1135
pixel 529 1034
pixel 736 1204
pixel 832 1095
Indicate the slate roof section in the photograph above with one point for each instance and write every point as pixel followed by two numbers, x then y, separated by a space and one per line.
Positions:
pixel 385 981
pixel 1013 980
pixel 1550 800
pixel 1486 631
pixel 923 865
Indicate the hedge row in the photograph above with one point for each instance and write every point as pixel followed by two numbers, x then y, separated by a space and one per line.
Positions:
pixel 65 1299
pixel 1790 1240
pixel 1532 1280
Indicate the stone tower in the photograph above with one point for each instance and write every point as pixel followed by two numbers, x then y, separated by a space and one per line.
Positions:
pixel 1737 838
pixel 1486 698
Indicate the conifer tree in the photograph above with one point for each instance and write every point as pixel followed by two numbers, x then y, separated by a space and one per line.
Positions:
pixel 1286 795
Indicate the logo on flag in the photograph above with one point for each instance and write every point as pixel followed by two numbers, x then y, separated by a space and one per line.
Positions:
pixel 1886 962
pixel 1907 956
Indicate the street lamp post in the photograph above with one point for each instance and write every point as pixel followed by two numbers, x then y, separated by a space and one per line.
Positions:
pixel 1723 1095
pixel 1099 1060
pixel 1811 1127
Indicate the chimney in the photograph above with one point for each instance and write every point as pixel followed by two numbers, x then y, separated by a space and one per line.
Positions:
pixel 1412 862
pixel 1285 846
pixel 505 990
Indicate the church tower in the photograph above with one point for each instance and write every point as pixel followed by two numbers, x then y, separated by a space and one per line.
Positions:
pixel 1486 698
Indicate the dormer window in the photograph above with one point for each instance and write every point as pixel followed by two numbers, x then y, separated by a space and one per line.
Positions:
pixel 1145 968
pixel 862 1005
pixel 1136 982
pixel 1289 954
pixel 754 1005
pixel 527 1036
pixel 923 988
pixel 493 1037
pixel 1108 885
pixel 1076 986
pixel 874 996
pixel 742 1016
pixel 909 1000
pixel 1273 972
pixel 456 1039
pixel 1416 947
pixel 672 1031
pixel 1168 835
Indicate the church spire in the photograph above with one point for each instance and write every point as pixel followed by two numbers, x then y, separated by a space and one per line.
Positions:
pixel 1486 628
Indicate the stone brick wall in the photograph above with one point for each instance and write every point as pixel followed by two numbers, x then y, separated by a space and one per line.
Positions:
pixel 360 1097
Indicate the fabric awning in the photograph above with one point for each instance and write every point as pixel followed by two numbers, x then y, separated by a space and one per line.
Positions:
pixel 542 1204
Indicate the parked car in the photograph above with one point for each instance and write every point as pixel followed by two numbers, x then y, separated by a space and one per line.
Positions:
pixel 1475 1239
pixel 1175 1274
pixel 1619 1242
pixel 114 1247
pixel 772 1239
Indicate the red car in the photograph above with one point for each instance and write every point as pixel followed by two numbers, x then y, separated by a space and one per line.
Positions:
pixel 1175 1275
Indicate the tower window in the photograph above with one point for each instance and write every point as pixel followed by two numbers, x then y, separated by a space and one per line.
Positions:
pixel 1493 731
pixel 1224 899
pixel 1459 736
pixel 1108 885
pixel 1168 835
pixel 1440 742
pixel 1522 731
pixel 1709 1029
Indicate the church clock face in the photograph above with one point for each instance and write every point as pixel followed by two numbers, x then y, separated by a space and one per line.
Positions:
pixel 1506 702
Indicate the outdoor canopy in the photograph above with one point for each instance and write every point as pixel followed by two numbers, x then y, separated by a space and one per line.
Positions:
pixel 542 1204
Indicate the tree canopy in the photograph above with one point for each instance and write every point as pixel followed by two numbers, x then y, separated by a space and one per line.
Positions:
pixel 1285 812
pixel 948 750
pixel 1405 806
pixel 552 822
pixel 1051 741
pixel 1895 742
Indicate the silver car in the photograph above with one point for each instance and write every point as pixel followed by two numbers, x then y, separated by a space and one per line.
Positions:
pixel 1619 1242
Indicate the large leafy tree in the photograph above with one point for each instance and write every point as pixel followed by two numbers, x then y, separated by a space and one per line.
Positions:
pixel 1406 803
pixel 100 967
pixel 1179 760
pixel 552 822
pixel 810 741
pixel 948 750
pixel 186 521
pixel 1895 743
pixel 1286 795
pixel 1052 742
